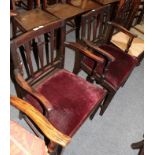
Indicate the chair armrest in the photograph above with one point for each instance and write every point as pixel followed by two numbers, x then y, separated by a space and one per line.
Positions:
pixel 123 29
pixel 101 51
pixel 24 85
pixel 44 125
pixel 76 46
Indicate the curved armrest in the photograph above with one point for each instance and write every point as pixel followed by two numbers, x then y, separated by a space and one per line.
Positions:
pixel 24 85
pixel 80 48
pixel 44 125
pixel 121 28
pixel 101 51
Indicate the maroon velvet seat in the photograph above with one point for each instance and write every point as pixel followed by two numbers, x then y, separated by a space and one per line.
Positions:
pixel 72 97
pixel 118 70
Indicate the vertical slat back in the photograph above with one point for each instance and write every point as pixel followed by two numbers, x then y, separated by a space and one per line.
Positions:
pixel 94 23
pixel 26 56
pixel 126 11
pixel 41 51
pixel 52 46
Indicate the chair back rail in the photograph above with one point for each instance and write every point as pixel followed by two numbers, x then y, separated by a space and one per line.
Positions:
pixel 93 23
pixel 30 55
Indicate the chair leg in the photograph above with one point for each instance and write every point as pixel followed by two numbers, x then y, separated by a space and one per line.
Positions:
pixel 139 145
pixel 94 112
pixel 77 21
pixel 77 63
pixel 106 103
pixel 55 149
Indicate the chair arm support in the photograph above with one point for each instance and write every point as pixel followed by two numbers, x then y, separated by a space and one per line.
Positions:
pixel 24 85
pixel 121 28
pixel 44 125
pixel 101 51
pixel 76 46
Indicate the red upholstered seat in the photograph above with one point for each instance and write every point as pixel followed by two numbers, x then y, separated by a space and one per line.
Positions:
pixel 72 97
pixel 118 70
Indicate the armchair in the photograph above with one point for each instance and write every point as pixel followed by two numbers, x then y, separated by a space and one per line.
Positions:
pixel 65 99
pixel 117 65
pixel 125 16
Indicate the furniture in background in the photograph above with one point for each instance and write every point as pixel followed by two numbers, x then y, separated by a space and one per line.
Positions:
pixel 23 142
pixel 65 99
pixel 70 11
pixel 117 66
pixel 28 4
pixel 31 19
pixel 118 33
pixel 140 146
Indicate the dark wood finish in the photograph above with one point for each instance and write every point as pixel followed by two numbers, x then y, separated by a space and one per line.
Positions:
pixel 104 2
pixel 139 15
pixel 123 22
pixel 28 5
pixel 26 76
pixel 31 19
pixel 140 146
pixel 94 26
pixel 71 14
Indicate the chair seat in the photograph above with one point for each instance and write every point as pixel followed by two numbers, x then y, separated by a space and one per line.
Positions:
pixel 119 70
pixel 120 40
pixel 72 97
pixel 34 18
pixel 64 11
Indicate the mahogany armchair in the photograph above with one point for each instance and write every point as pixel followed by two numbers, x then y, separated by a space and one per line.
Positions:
pixel 117 66
pixel 28 142
pixel 31 19
pixel 121 33
pixel 65 99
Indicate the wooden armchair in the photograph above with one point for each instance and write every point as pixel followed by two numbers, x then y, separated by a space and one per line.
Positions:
pixel 32 19
pixel 126 38
pixel 26 139
pixel 117 66
pixel 65 99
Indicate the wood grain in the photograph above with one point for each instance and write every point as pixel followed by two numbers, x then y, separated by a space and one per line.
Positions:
pixel 45 126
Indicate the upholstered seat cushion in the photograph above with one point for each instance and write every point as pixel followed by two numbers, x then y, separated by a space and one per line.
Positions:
pixel 119 70
pixel 72 97
pixel 120 39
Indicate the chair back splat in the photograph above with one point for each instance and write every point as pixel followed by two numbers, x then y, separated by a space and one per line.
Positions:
pixel 93 24
pixel 35 53
pixel 126 11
